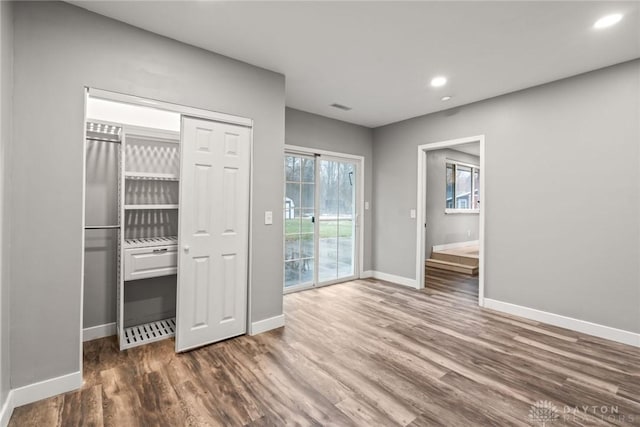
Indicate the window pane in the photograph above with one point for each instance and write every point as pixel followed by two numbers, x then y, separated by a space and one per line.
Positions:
pixel 308 196
pixel 308 170
pixel 292 223
pixel 346 186
pixel 307 247
pixel 306 270
pixel 292 196
pixel 291 273
pixel 463 187
pixel 476 189
pixel 449 204
pixel 292 168
pixel 291 247
pixel 329 189
pixel 289 208
pixel 328 247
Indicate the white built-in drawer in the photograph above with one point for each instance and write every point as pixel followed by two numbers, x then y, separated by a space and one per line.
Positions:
pixel 154 261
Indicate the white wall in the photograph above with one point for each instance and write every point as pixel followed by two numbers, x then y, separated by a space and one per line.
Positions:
pixel 59 49
pixel 562 197
pixel 313 131
pixel 446 228
pixel 6 94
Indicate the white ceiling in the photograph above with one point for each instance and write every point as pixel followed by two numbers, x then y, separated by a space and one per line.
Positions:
pixel 378 57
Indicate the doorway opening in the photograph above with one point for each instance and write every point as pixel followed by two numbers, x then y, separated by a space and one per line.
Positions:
pixel 450 213
pixel 322 238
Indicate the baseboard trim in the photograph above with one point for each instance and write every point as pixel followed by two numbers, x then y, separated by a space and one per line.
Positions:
pixel 100 331
pixel 589 328
pixel 47 388
pixel 456 245
pixel 267 325
pixel 7 410
pixel 366 274
pixel 394 279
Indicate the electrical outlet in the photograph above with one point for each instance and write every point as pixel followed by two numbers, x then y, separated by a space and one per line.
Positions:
pixel 268 218
pixel 366 206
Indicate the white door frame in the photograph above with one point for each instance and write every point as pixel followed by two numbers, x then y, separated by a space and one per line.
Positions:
pixel 306 151
pixel 421 208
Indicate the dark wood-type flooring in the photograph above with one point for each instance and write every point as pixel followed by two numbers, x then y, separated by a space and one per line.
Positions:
pixel 362 353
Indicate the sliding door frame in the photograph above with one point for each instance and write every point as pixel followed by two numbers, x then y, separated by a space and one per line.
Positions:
pixel 359 222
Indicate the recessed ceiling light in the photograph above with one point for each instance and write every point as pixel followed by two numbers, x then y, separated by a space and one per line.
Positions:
pixel 607 21
pixel 445 98
pixel 438 81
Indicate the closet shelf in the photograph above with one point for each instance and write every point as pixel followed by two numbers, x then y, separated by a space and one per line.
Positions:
pixel 152 176
pixel 150 241
pixel 149 207
pixel 149 332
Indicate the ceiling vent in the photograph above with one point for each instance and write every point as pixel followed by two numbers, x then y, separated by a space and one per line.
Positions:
pixel 341 107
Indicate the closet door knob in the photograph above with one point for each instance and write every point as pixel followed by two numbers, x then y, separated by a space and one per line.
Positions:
pixel 186 248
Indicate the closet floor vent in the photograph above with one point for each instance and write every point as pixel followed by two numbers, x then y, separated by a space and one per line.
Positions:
pixel 149 332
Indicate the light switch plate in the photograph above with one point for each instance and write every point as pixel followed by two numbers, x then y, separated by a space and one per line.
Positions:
pixel 412 214
pixel 268 218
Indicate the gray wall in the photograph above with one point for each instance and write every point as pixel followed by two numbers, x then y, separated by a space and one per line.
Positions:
pixel 446 228
pixel 59 49
pixel 6 93
pixel 101 246
pixel 313 131
pixel 561 176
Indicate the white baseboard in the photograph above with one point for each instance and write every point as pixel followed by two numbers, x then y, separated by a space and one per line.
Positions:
pixel 456 245
pixel 267 325
pixel 100 331
pixel 412 283
pixel 366 274
pixel 601 331
pixel 47 388
pixel 7 410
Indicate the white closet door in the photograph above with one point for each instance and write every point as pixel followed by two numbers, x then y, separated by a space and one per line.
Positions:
pixel 214 233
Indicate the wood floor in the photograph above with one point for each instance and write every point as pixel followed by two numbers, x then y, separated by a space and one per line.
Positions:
pixel 362 353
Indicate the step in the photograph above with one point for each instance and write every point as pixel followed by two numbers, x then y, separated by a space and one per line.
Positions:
pixel 455 258
pixel 452 266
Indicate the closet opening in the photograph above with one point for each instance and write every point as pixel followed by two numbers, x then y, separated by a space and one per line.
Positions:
pixel 166 222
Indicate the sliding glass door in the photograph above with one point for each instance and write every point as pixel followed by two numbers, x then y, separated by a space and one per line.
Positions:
pixel 320 220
